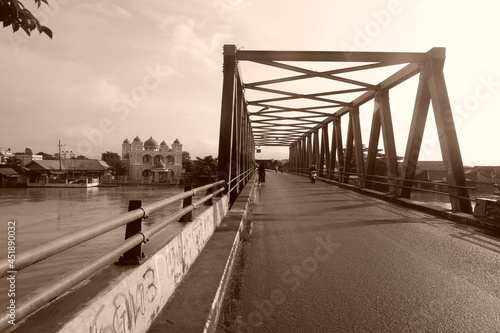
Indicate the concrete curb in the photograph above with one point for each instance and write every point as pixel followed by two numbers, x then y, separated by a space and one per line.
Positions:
pixel 217 304
pixel 197 302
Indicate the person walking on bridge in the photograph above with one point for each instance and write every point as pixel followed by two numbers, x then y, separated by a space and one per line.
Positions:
pixel 262 173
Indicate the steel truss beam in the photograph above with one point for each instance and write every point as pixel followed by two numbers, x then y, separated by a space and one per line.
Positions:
pixel 305 127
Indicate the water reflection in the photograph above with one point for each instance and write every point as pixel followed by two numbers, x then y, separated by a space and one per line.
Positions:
pixel 44 214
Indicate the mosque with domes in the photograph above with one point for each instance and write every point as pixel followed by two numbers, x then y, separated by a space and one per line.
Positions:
pixel 150 162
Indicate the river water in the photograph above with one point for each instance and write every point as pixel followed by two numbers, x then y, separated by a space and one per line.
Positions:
pixel 443 200
pixel 44 214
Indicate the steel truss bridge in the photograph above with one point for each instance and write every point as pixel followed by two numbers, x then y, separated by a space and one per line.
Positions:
pixel 298 98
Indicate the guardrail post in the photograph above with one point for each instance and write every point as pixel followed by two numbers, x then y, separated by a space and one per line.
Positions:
pixel 188 217
pixel 135 254
pixel 210 201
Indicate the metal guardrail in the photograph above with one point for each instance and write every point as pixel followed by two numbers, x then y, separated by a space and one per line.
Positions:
pixel 239 179
pixel 340 177
pixel 129 248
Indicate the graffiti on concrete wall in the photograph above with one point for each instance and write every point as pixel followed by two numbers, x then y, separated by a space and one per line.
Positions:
pixel 127 307
pixel 135 300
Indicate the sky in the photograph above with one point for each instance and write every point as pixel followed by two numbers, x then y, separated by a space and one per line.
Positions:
pixel 117 70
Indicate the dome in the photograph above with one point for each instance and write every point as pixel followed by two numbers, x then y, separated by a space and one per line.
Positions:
pixel 151 143
pixel 177 141
pixel 163 143
pixel 137 139
pixel 126 141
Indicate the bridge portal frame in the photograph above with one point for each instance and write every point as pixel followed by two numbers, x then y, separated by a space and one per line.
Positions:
pixel 303 137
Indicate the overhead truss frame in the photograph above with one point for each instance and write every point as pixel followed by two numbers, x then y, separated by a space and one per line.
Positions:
pixel 296 118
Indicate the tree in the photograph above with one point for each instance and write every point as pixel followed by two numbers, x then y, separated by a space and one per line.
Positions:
pixel 205 166
pixel 80 157
pixel 27 151
pixel 187 164
pixel 14 13
pixel 117 168
pixel 46 156
pixel 109 157
pixel 115 163
pixel 12 160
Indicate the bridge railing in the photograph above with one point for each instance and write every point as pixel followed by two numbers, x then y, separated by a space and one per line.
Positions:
pixel 130 250
pixel 239 180
pixel 397 184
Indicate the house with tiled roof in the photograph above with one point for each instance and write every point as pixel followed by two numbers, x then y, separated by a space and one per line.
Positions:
pixel 13 175
pixel 430 171
pixel 46 171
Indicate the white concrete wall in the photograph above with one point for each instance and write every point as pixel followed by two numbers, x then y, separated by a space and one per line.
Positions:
pixel 133 303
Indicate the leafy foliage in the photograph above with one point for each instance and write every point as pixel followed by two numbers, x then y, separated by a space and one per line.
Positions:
pixel 115 163
pixel 12 160
pixel 187 164
pixel 14 13
pixel 205 166
pixel 81 157
pixel 46 156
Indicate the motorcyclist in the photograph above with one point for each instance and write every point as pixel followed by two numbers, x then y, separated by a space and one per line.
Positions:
pixel 311 169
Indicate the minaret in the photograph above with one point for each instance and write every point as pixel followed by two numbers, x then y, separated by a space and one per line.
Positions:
pixel 126 146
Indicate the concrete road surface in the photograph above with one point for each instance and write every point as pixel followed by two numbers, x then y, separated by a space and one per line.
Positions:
pixel 323 259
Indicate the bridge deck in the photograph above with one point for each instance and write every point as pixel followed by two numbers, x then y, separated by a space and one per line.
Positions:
pixel 319 258
pixel 324 259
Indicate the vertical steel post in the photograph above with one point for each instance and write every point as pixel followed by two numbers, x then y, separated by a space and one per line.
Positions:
pixel 210 201
pixel 348 150
pixel 415 135
pixel 340 146
pixel 358 145
pixel 448 140
pixel 325 152
pixel 373 142
pixel 309 150
pixel 333 151
pixel 237 142
pixel 227 114
pixel 134 255
pixel 235 168
pixel 389 141
pixel 305 158
pixel 188 217
pixel 316 148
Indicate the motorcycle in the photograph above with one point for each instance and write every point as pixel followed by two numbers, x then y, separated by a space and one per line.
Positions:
pixel 314 175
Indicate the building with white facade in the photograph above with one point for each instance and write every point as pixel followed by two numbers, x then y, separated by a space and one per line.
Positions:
pixel 151 162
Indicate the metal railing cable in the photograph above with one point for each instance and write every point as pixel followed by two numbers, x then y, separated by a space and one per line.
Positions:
pixel 395 181
pixel 241 178
pixel 44 294
pixel 70 240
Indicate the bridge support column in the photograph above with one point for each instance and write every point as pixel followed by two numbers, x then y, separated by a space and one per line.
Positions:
pixel 389 141
pixel 415 135
pixel 339 147
pixel 358 144
pixel 333 152
pixel 373 145
pixel 448 140
pixel 227 114
pixel 325 151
